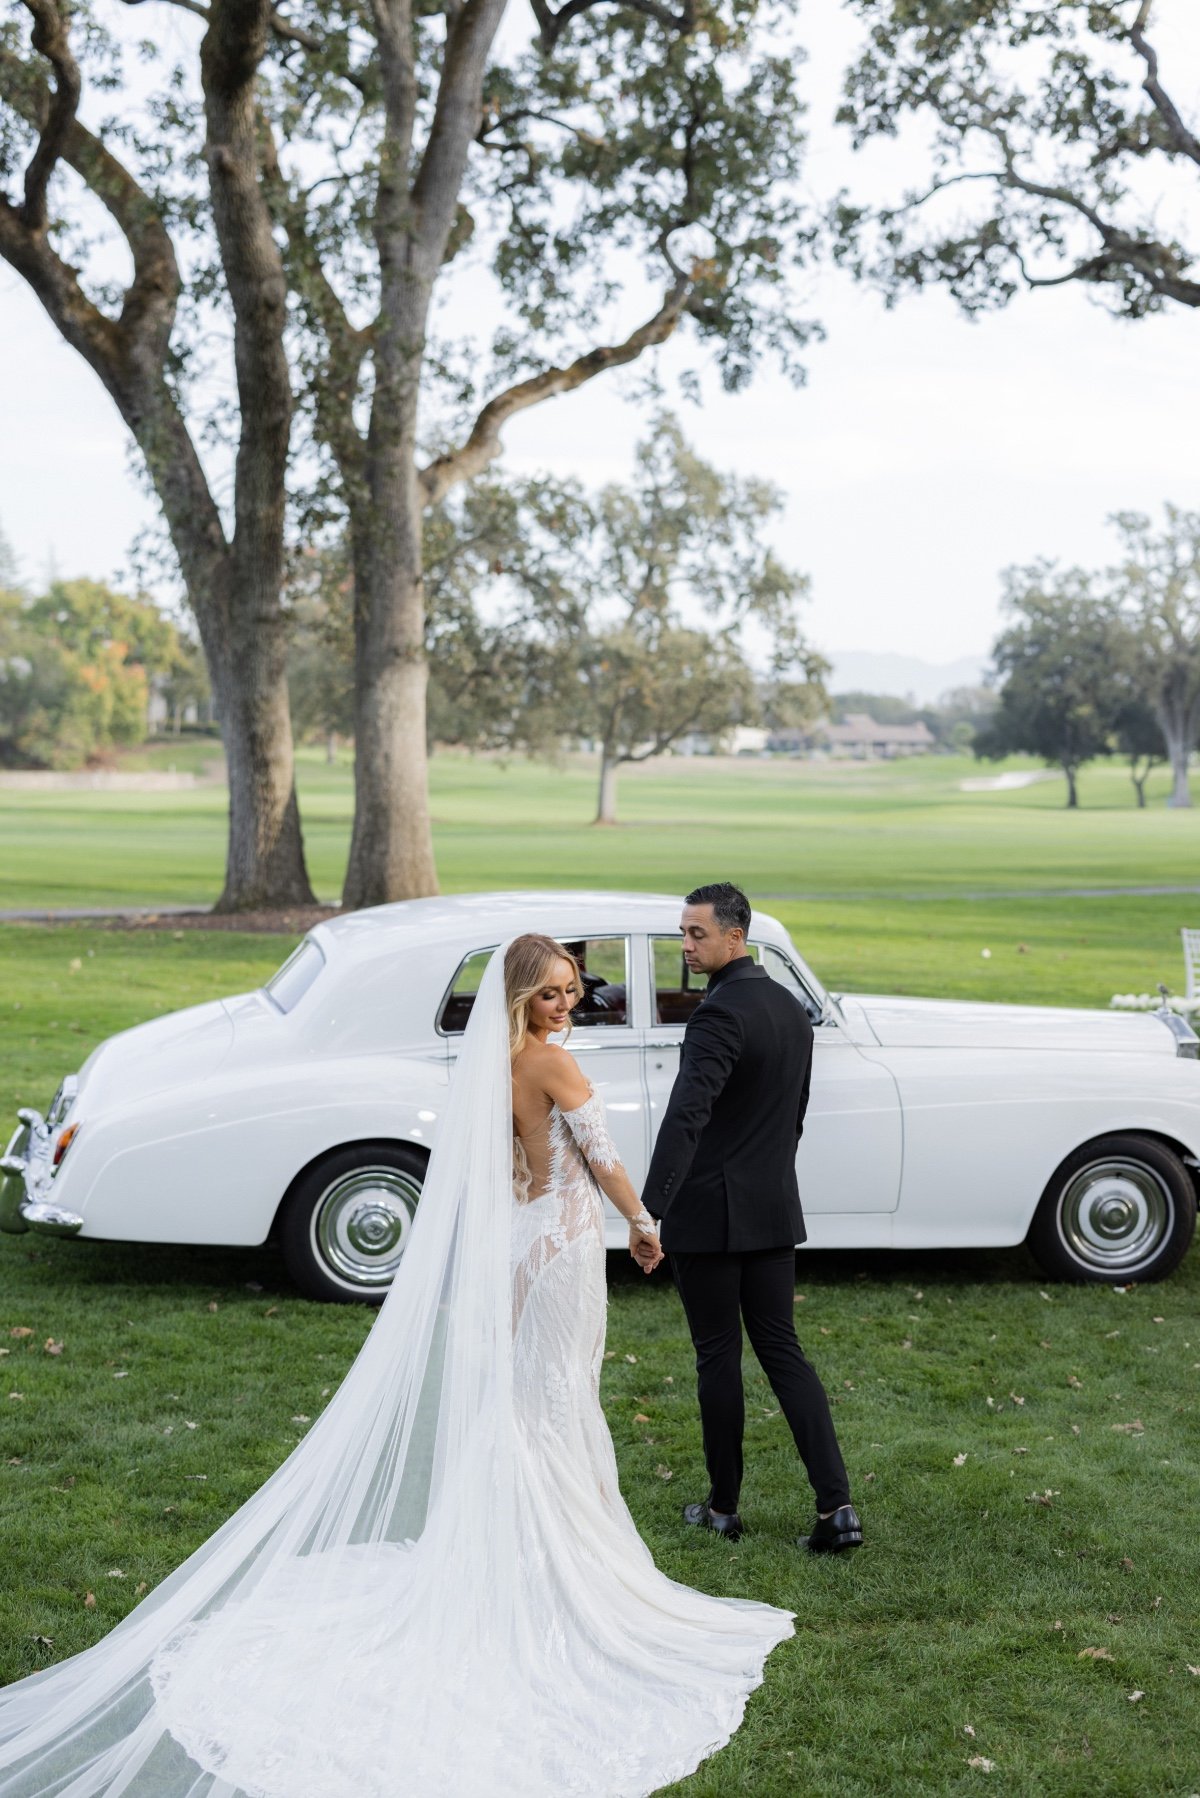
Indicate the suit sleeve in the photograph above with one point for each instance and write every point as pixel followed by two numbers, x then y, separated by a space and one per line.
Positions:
pixel 710 1051
pixel 805 1085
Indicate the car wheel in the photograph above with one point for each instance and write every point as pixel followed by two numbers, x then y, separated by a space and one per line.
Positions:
pixel 1121 1208
pixel 345 1224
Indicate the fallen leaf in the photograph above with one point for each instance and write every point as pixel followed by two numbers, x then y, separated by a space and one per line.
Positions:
pixel 122 1373
pixel 1160 1320
pixel 799 1299
pixel 1072 1381
pixel 1155 1602
pixel 1133 1697
pixel 115 1573
pixel 195 1476
pixel 271 1311
pixel 610 1354
pixel 1043 1345
pixel 213 1305
pixel 1020 1451
pixel 640 1417
pixel 1195 1671
pixel 301 1418
pixel 1093 1654
pixel 960 1460
pixel 981 1763
pixel 849 1385
pixel 89 1603
pixel 1127 1564
pixel 190 1426
pixel 632 1359
pixel 1136 1428
pixel 1044 1295
pixel 664 1473
pixel 1075 1430
pixel 823 1330
pixel 1058 1623
pixel 50 1347
pixel 1016 1398
pixel 16 1395
pixel 867 1478
pixel 21 1330
pixel 967 1730
pixel 907 1343
pixel 668 1379
pixel 1109 1334
pixel 1113 1617
pixel 140 1588
pixel 43 1641
pixel 1042 1498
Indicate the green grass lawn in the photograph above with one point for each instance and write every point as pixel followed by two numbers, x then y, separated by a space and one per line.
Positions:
pixel 974 1601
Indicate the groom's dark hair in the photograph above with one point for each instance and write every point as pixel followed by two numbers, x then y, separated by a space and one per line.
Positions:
pixel 731 908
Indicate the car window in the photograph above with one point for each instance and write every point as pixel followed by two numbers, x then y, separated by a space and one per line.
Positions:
pixel 677 991
pixel 286 988
pixel 780 968
pixel 603 962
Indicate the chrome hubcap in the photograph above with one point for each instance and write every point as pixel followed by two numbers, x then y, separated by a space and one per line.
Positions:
pixel 1115 1214
pixel 361 1224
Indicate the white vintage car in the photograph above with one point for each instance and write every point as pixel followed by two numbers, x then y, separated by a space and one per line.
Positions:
pixel 306 1111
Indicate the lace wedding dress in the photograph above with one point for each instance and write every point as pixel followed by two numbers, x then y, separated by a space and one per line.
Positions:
pixel 441 1593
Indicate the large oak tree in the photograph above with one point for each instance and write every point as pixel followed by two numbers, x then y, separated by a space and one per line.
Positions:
pixel 59 177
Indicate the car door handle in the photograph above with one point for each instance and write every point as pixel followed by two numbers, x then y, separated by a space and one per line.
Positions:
pixel 669 1042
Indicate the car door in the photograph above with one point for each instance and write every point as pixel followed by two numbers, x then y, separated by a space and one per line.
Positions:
pixel 602 1039
pixel 849 1158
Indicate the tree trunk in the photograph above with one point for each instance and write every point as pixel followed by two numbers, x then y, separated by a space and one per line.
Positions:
pixel 1139 783
pixel 1179 749
pixel 331 748
pixel 1072 791
pixel 391 847
pixel 606 809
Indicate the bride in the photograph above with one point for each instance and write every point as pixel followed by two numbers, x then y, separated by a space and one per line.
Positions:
pixel 441 1591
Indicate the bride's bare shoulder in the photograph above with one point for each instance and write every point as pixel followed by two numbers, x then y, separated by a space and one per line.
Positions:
pixel 554 1070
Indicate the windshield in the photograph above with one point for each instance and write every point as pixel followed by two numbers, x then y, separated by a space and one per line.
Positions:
pixel 286 988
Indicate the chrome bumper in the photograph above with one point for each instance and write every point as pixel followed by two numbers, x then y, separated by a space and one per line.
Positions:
pixel 25 1174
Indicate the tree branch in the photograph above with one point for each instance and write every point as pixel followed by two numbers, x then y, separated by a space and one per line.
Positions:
pixel 483 444
pixel 1186 141
pixel 552 24
pixel 50 40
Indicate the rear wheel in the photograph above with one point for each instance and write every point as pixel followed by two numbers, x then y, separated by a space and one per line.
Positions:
pixel 345 1223
pixel 1121 1208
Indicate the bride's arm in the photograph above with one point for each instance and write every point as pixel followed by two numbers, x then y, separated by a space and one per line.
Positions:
pixel 563 1083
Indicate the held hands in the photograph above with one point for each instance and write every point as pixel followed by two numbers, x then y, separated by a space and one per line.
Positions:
pixel 644 1245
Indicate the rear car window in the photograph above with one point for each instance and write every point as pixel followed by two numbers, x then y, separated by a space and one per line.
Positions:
pixel 603 962
pixel 286 988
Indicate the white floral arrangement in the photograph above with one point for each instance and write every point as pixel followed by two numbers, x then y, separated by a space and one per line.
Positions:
pixel 1187 1008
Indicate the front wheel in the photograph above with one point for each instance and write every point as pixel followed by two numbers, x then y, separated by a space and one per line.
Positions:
pixel 1121 1208
pixel 345 1223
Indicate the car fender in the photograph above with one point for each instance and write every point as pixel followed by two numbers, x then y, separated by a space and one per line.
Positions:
pixel 210 1164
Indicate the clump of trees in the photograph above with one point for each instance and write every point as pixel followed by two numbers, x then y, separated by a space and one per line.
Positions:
pixel 1104 663
pixel 556 617
pixel 76 663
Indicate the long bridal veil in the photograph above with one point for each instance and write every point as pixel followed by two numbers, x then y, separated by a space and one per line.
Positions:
pixel 394 1516
pixel 441 1592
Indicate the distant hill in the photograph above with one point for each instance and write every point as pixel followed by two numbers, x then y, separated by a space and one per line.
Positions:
pixel 863 671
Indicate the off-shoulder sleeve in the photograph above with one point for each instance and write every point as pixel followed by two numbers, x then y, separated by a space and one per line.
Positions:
pixel 589 1126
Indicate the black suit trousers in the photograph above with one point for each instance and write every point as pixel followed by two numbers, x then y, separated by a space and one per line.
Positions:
pixel 719 1291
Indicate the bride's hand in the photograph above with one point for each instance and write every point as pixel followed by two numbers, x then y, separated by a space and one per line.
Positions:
pixel 645 1247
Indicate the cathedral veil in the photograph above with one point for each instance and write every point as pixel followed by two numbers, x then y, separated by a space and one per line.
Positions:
pixel 394 1518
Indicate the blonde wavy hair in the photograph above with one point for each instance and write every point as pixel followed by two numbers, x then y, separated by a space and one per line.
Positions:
pixel 527 967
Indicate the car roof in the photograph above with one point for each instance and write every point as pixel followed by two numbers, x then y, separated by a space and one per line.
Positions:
pixel 488 918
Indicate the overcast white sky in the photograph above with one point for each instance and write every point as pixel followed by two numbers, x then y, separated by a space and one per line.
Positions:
pixel 925 454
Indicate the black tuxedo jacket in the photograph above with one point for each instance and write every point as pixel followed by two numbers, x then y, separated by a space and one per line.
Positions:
pixel 723 1172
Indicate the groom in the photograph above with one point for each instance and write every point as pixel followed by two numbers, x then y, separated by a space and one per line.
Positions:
pixel 723 1181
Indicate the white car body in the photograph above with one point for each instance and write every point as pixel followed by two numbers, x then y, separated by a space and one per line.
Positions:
pixel 931 1123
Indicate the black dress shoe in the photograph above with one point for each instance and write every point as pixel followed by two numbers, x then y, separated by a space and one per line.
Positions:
pixel 834 1535
pixel 730 1527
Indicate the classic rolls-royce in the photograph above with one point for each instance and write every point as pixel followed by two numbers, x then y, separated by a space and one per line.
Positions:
pixel 306 1111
